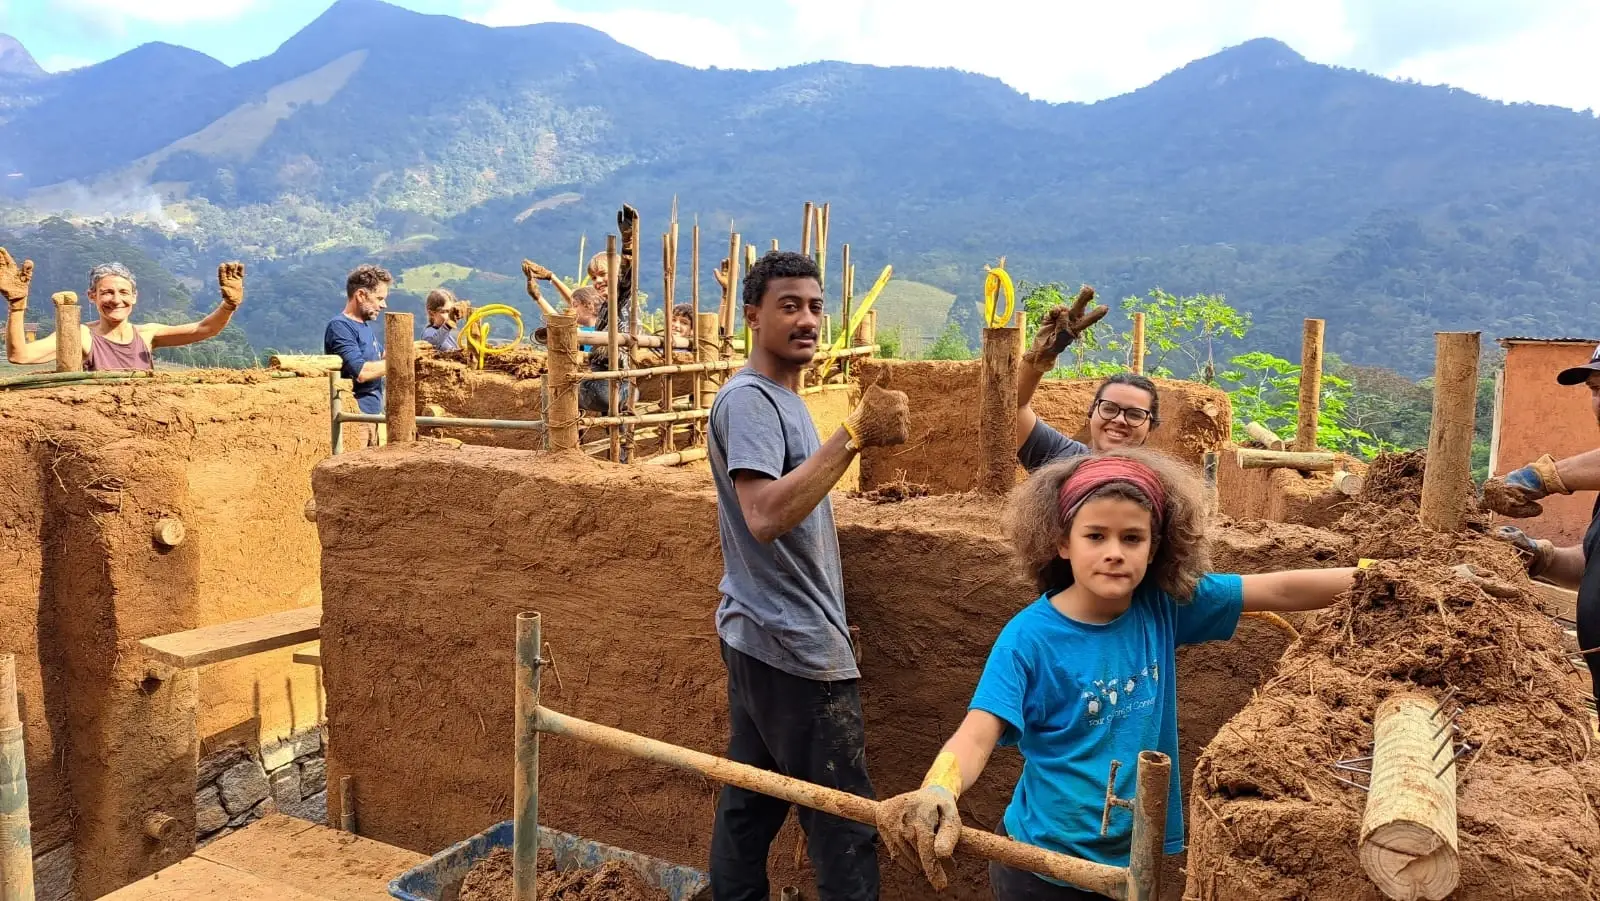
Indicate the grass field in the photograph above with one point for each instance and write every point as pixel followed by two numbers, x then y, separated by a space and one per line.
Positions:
pixel 916 309
pixel 422 279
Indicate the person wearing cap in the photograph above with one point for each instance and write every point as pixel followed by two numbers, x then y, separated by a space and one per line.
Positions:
pixel 1517 494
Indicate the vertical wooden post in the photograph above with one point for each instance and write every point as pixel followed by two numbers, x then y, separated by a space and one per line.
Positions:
pixel 1447 479
pixel 707 349
pixel 612 263
pixel 400 376
pixel 1305 435
pixel 867 332
pixel 561 425
pixel 697 384
pixel 69 335
pixel 774 245
pixel 16 835
pixel 1152 784
pixel 525 784
pixel 846 289
pixel 730 292
pixel 347 804
pixel 1136 354
pixel 997 411
pixel 805 230
pixel 822 248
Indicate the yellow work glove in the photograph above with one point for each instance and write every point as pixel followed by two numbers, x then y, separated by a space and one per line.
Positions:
pixel 920 829
pixel 880 420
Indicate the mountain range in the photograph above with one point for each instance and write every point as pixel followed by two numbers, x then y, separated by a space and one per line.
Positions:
pixel 1390 209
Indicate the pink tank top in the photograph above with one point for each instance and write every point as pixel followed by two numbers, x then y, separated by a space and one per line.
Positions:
pixel 106 355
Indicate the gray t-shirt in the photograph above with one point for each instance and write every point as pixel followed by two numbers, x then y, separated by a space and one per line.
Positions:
pixel 782 602
pixel 1045 445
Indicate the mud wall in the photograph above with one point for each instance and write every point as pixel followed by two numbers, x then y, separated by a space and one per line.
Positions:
pixel 1538 416
pixel 111 736
pixel 417 656
pixel 942 450
pixel 1280 495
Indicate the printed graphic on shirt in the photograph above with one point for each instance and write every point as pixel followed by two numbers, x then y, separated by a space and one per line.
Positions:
pixel 1118 698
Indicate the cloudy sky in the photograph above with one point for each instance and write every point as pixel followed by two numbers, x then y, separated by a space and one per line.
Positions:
pixel 1515 50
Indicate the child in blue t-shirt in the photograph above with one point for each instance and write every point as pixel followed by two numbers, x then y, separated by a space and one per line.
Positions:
pixel 1085 674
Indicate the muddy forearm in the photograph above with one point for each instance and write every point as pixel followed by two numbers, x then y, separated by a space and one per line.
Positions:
pixel 784 503
pixel 1566 567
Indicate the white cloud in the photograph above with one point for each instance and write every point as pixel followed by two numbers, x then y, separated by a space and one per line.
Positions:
pixel 1551 62
pixel 115 13
pixel 60 62
pixel 680 37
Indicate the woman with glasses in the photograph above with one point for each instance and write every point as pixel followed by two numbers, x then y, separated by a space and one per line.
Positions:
pixel 1125 410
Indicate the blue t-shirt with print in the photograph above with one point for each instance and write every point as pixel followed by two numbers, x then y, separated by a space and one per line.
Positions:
pixel 1075 696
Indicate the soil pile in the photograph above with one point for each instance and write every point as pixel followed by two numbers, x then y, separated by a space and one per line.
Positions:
pixel 892 492
pixel 1395 480
pixel 1271 819
pixel 490 880
pixel 521 362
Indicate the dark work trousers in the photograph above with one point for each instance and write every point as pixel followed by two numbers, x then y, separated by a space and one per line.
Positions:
pixel 1007 884
pixel 807 730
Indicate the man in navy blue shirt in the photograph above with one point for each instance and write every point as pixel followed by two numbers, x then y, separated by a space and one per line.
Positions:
pixel 350 337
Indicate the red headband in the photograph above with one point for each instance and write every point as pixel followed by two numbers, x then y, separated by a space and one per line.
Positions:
pixel 1097 472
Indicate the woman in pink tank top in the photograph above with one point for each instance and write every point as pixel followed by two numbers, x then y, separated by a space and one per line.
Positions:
pixel 112 342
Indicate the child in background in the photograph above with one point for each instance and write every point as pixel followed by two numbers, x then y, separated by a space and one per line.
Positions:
pixel 444 313
pixel 1086 674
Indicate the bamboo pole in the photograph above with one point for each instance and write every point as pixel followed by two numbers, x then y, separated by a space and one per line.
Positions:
pixel 1268 438
pixel 318 363
pixel 69 334
pixel 708 350
pixel 644 418
pixel 1348 483
pixel 1315 461
pixel 867 332
pixel 16 834
pixel 731 290
pixel 846 287
pixel 525 789
pixel 822 248
pixel 697 386
pixel 678 458
pixel 611 340
pixel 347 804
pixel 563 362
pixel 400 377
pixel 1153 782
pixel 655 371
pixel 1447 479
pixel 1305 435
pixel 805 229
pixel 668 276
pixel 632 242
pixel 589 338
pixel 1136 362
pixel 1408 845
pixel 997 411
pixel 1085 874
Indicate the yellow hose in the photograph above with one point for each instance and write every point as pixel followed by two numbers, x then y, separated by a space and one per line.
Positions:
pixel 997 282
pixel 1276 620
pixel 475 332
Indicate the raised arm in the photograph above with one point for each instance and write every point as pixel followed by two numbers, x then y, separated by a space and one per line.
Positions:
pixel 1295 589
pixel 230 280
pixel 14 284
pixel 1517 493
pixel 774 506
pixel 1061 327
pixel 534 273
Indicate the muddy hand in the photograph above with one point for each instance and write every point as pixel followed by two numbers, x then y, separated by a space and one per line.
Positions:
pixel 920 830
pixel 880 420
pixel 1517 493
pixel 14 280
pixel 1491 587
pixel 1536 551
pixel 230 281
pixel 1061 327
pixel 721 272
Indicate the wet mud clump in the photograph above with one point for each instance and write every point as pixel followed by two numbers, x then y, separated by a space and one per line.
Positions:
pixel 490 880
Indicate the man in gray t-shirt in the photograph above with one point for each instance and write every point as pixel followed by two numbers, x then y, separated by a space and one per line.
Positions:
pixel 793 701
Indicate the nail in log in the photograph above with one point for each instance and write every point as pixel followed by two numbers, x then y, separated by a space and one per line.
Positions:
pixel 997 411
pixel 1447 479
pixel 400 376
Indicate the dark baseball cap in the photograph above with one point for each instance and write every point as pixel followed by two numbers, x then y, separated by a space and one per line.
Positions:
pixel 1577 375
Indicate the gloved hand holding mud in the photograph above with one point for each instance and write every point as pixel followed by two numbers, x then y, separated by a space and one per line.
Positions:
pixel 14 280
pixel 1537 553
pixel 230 281
pixel 1062 326
pixel 1517 493
pixel 880 420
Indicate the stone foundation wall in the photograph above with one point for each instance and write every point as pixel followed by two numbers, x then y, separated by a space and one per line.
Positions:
pixel 239 785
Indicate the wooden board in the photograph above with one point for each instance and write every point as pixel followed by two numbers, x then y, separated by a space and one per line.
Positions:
pixel 197 879
pixel 312 858
pixel 311 656
pixel 1558 602
pixel 240 638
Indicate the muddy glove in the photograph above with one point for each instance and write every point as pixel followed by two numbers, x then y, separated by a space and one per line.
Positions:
pixel 1538 553
pixel 880 420
pixel 1517 492
pixel 1060 328
pixel 1490 586
pixel 230 281
pixel 920 829
pixel 721 272
pixel 14 280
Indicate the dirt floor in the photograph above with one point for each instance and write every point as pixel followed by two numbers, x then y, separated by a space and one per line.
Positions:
pixel 942 451
pixel 490 880
pixel 623 564
pixel 1269 820
pixel 110 736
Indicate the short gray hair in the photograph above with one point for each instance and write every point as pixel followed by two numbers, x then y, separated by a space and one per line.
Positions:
pixel 106 270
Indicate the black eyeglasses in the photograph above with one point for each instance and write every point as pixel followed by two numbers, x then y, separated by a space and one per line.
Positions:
pixel 1110 410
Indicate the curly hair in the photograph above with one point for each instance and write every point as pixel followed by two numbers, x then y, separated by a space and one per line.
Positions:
pixel 1180 553
pixel 775 265
pixel 368 276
